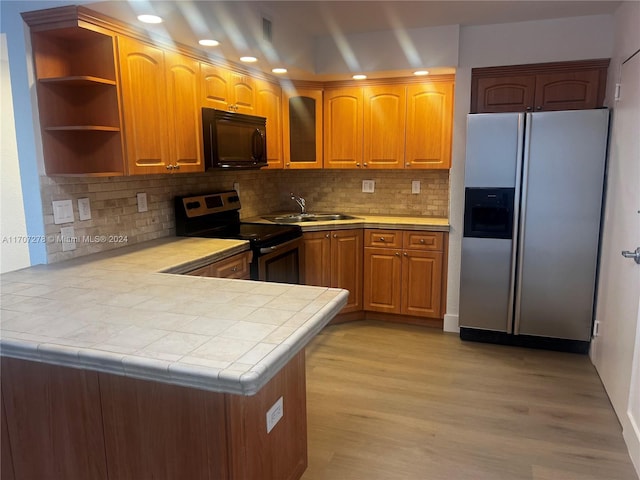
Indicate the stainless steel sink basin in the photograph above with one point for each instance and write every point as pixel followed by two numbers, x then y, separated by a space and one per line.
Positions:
pixel 307 217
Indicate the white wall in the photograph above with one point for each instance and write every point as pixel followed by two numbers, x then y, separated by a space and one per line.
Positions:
pixel 14 249
pixel 388 50
pixel 576 38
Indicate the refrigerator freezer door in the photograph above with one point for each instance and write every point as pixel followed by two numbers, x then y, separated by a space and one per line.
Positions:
pixel 494 141
pixel 563 175
pixel 485 296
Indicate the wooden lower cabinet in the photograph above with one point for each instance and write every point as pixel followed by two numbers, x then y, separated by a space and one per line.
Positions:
pixel 334 259
pixel 73 424
pixel 403 272
pixel 236 266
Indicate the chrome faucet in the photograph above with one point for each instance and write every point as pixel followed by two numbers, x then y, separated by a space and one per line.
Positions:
pixel 301 202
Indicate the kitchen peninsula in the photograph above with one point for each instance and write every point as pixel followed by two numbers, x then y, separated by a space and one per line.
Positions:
pixel 114 368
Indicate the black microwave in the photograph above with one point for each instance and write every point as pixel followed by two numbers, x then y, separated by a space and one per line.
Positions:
pixel 233 140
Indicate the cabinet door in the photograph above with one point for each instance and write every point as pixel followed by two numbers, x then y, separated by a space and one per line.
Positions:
pixel 429 125
pixel 385 110
pixel 302 128
pixel 346 266
pixel 214 87
pixel 421 283
pixel 243 93
pixel 269 105
pixel 144 98
pixel 343 134
pixel 503 94
pixel 54 421
pixel 183 99
pixel 317 259
pixel 382 280
pixel 567 90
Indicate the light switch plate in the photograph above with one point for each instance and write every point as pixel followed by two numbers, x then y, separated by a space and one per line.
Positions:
pixel 368 186
pixel 62 211
pixel 68 238
pixel 84 209
pixel 415 186
pixel 274 414
pixel 142 202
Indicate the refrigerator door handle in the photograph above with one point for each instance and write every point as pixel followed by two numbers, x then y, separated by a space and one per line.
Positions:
pixel 519 254
pixel 516 217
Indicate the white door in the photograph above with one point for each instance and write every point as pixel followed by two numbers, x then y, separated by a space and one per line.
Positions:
pixel 619 284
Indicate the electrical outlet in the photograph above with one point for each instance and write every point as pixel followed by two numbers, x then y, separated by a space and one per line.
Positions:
pixel 142 202
pixel 368 186
pixel 596 328
pixel 415 186
pixel 62 211
pixel 84 209
pixel 274 414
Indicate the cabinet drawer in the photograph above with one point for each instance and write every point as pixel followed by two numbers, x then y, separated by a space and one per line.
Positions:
pixel 432 241
pixel 232 267
pixel 383 238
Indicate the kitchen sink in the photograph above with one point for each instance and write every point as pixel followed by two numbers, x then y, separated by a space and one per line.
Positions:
pixel 307 217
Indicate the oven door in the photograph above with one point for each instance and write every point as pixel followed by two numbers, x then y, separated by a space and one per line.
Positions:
pixel 280 263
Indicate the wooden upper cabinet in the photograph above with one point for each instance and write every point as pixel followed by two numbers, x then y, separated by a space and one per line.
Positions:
pixel 183 98
pixel 539 87
pixel 429 125
pixel 144 96
pixel 226 90
pixel 269 105
pixel 506 94
pixel 214 87
pixel 568 91
pixel 78 101
pixel 384 126
pixel 302 128
pixel 343 133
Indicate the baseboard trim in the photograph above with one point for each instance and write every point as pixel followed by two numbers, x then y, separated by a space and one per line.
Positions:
pixel 451 323
pixel 632 439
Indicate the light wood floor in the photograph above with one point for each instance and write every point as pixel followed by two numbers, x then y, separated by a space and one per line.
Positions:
pixel 389 401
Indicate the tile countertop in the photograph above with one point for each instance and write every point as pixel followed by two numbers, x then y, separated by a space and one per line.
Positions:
pixel 117 312
pixel 437 224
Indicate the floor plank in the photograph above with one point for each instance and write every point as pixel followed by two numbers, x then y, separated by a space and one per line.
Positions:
pixel 390 401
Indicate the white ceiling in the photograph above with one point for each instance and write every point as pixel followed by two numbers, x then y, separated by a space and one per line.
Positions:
pixel 299 25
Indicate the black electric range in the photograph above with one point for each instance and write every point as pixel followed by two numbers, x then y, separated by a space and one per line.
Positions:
pixel 216 215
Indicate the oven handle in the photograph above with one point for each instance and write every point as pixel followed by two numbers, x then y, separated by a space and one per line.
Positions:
pixel 279 246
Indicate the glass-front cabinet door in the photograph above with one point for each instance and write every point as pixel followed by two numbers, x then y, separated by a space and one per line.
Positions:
pixel 302 128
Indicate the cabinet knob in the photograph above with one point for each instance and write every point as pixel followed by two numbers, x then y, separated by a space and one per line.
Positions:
pixel 358 164
pixel 234 269
pixel 365 164
pixel 169 167
pixel 422 241
pixel 397 254
pixel 529 109
pixel 288 165
pixel 335 235
pixel 405 254
pixel 538 108
pixel 382 239
pixel 408 164
pixel 326 236
pixel 176 166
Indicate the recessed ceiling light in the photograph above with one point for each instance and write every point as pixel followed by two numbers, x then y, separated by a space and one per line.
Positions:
pixel 209 43
pixel 149 18
pixel 279 70
pixel 248 59
pixel 359 77
pixel 421 72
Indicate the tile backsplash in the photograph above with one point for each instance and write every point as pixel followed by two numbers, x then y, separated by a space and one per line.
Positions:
pixel 115 220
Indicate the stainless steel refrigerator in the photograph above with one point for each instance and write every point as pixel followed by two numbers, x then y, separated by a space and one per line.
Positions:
pixel 533 197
